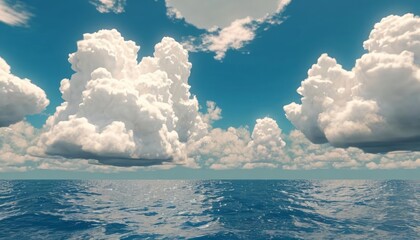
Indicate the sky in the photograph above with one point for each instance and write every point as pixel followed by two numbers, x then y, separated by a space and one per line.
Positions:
pixel 218 89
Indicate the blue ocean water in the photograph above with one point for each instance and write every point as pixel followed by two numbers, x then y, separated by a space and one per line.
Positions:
pixel 278 209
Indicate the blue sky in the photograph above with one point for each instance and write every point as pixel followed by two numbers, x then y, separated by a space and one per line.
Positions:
pixel 253 81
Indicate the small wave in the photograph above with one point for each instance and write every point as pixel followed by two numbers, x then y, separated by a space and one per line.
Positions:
pixel 209 209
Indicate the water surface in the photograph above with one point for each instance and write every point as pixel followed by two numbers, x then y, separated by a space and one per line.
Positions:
pixel 278 209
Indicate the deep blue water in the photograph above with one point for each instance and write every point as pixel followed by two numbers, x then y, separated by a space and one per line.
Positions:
pixel 209 209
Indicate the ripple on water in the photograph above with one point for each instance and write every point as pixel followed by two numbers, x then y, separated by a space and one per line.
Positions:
pixel 209 209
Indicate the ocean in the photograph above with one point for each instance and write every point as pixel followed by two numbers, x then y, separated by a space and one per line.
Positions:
pixel 209 209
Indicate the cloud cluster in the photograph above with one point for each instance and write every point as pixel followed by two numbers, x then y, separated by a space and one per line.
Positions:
pixel 227 27
pixel 18 97
pixel 265 147
pixel 107 6
pixel 238 148
pixel 221 149
pixel 14 15
pixel 122 112
pixel 307 155
pixel 14 141
pixel 375 105
pixel 396 160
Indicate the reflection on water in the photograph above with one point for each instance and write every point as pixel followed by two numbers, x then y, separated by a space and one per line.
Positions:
pixel 359 209
pixel 209 209
pixel 155 208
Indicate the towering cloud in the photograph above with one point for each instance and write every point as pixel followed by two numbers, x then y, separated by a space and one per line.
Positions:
pixel 122 112
pixel 266 140
pixel 375 106
pixel 18 97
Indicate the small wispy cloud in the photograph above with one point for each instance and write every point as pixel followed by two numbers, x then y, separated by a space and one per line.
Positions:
pixel 235 36
pixel 106 6
pixel 230 27
pixel 14 14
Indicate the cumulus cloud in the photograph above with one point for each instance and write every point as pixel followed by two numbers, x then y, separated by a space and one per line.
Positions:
pixel 14 15
pixel 238 148
pixel 220 149
pixel 307 155
pixel 227 24
pixel 214 113
pixel 375 105
pixel 395 160
pixel 265 147
pixel 234 36
pixel 14 141
pixel 122 112
pixel 78 165
pixel 267 143
pixel 18 97
pixel 107 6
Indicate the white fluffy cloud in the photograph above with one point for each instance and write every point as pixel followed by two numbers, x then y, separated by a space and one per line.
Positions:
pixel 122 112
pixel 234 36
pixel 265 148
pixel 14 15
pixel 228 24
pixel 237 148
pixel 214 113
pixel 375 105
pixel 221 13
pixel 306 155
pixel 18 97
pixel 220 149
pixel 18 138
pixel 14 141
pixel 106 6
pixel 396 160
pixel 266 140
